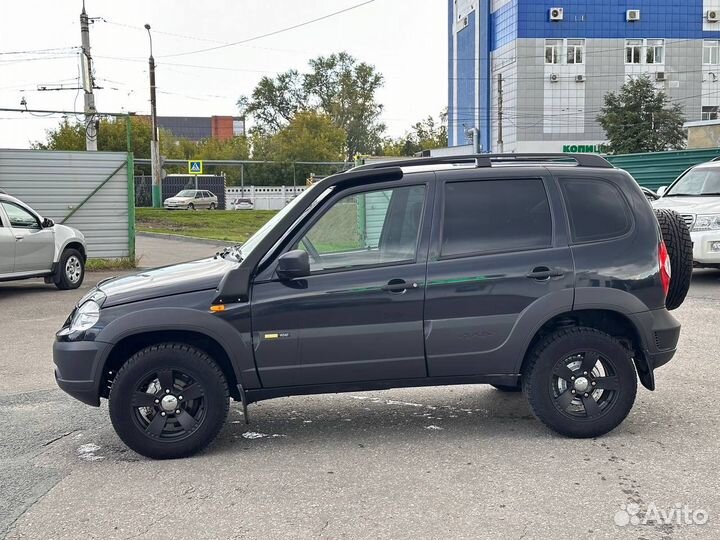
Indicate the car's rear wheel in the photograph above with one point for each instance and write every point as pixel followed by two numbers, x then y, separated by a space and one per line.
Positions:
pixel 71 270
pixel 678 242
pixel 580 382
pixel 212 206
pixel 169 401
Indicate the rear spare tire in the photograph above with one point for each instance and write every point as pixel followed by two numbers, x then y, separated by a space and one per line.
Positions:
pixel 676 236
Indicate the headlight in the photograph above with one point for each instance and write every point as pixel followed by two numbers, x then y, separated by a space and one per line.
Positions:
pixel 87 315
pixel 709 222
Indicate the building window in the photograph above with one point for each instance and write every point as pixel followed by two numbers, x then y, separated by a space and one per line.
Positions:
pixel 711 52
pixel 655 51
pixel 552 51
pixel 633 51
pixel 575 51
pixel 710 113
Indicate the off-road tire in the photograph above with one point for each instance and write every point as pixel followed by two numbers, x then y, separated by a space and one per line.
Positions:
pixel 179 358
pixel 538 381
pixel 676 236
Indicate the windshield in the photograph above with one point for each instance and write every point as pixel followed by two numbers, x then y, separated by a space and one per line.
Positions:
pixel 699 182
pixel 186 193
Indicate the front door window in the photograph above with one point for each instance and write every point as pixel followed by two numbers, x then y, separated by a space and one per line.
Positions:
pixel 366 229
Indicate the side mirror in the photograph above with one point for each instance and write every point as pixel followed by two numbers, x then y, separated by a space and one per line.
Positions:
pixel 293 264
pixel 661 191
pixel 47 223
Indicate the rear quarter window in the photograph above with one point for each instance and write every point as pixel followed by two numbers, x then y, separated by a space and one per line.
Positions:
pixel 491 216
pixel 596 208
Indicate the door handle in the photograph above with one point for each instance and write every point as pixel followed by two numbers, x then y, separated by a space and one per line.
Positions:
pixel 398 286
pixel 19 237
pixel 543 273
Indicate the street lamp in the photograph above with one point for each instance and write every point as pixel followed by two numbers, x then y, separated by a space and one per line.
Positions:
pixel 154 146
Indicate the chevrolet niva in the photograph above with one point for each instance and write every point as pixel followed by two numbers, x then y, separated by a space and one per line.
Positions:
pixel 549 274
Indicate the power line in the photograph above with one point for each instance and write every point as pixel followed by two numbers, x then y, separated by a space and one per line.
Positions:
pixel 41 51
pixel 194 38
pixel 273 33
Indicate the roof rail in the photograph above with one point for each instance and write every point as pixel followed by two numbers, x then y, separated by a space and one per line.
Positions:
pixel 486 160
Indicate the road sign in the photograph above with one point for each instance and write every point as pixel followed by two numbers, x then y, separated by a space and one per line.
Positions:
pixel 195 166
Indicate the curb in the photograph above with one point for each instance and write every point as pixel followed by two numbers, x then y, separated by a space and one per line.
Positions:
pixel 183 238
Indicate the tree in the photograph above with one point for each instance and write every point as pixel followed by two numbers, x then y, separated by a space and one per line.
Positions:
pixel 310 136
pixel 274 102
pixel 337 85
pixel 640 118
pixel 112 136
pixel 423 135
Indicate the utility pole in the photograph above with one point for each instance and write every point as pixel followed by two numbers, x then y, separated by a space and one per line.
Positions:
pixel 154 146
pixel 501 143
pixel 88 83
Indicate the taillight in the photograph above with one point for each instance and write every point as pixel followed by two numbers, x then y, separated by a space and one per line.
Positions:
pixel 665 268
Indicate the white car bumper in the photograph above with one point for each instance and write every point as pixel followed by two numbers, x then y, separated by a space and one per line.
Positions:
pixel 706 247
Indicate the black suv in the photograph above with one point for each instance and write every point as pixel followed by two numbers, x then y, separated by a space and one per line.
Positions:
pixel 546 273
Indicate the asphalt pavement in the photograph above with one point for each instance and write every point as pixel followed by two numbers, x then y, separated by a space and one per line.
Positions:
pixel 446 462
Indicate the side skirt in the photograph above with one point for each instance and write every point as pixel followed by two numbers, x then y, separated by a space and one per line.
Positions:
pixel 261 394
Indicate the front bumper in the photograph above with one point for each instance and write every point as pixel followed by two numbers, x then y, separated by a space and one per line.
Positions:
pixel 702 247
pixel 78 367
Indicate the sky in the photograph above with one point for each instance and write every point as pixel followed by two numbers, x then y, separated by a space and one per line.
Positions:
pixel 406 40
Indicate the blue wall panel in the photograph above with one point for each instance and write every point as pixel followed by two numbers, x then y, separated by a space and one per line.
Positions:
pixel 467 58
pixel 674 19
pixel 485 35
pixel 504 25
pixel 451 76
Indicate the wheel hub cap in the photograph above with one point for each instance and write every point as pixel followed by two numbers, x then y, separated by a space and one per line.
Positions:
pixel 169 402
pixel 582 384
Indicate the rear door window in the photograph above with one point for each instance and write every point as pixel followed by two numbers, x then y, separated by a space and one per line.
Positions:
pixel 495 216
pixel 597 209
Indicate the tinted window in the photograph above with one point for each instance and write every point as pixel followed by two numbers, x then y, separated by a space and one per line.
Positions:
pixel 495 215
pixel 597 210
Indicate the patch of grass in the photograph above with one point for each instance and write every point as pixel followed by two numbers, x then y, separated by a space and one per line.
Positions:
pixel 100 265
pixel 227 225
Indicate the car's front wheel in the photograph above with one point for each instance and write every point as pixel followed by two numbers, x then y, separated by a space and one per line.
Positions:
pixel 71 270
pixel 580 382
pixel 169 401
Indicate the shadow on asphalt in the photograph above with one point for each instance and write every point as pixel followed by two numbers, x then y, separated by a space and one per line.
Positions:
pixel 706 276
pixel 380 421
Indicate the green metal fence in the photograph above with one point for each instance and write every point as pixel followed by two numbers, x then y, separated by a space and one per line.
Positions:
pixel 655 169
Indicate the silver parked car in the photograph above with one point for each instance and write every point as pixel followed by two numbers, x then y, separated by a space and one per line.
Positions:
pixel 192 199
pixel 32 246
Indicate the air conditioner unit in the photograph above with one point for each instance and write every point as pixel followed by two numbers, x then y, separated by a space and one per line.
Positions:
pixel 556 14
pixel 554 77
pixel 579 78
pixel 632 15
pixel 660 76
pixel 713 15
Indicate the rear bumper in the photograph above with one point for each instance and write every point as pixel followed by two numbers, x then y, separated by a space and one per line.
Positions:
pixel 78 367
pixel 660 332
